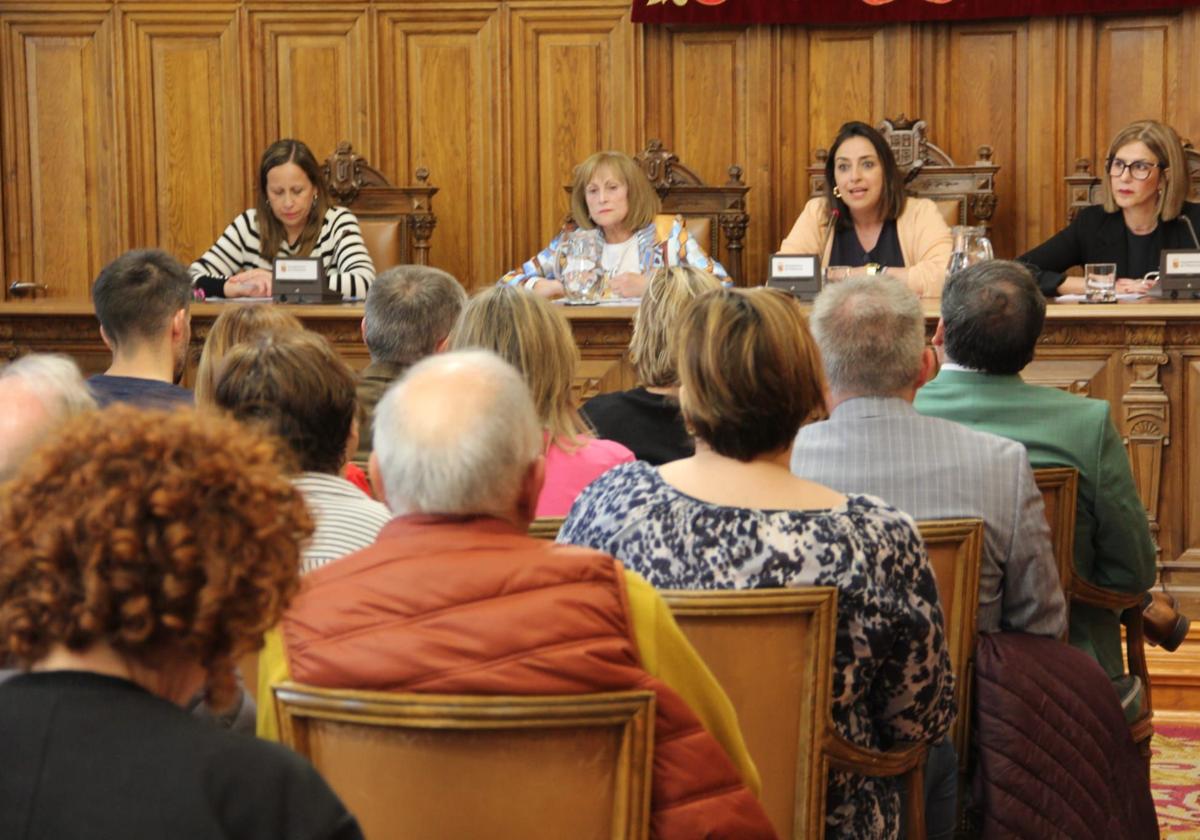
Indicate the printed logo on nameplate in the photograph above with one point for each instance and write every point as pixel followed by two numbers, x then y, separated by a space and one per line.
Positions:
pixel 1184 262
pixel 793 266
pixel 297 269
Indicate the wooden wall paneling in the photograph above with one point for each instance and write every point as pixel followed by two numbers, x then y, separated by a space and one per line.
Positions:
pixel 576 78
pixel 1038 201
pixel 987 98
pixel 1137 64
pixel 1183 564
pixel 786 181
pixel 847 81
pixel 184 124
pixel 1185 117
pixel 62 203
pixel 440 107
pixel 310 66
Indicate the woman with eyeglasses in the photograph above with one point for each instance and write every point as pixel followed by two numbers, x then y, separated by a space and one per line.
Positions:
pixel 1143 211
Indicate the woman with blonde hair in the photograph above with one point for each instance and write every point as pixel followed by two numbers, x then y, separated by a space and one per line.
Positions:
pixel 529 333
pixel 1143 211
pixel 647 419
pixel 733 516
pixel 236 325
pixel 611 193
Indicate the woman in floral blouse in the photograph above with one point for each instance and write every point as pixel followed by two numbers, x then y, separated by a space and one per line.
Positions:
pixel 733 516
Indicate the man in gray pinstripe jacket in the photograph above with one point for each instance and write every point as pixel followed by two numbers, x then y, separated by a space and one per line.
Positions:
pixel 872 340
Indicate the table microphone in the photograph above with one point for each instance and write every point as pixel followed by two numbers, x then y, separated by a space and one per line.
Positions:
pixel 834 215
pixel 1191 230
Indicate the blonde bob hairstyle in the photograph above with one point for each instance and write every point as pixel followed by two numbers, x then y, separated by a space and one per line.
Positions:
pixel 750 371
pixel 236 325
pixel 532 335
pixel 1162 140
pixel 667 295
pixel 643 201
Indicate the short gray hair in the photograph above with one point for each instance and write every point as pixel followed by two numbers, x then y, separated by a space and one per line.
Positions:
pixel 57 384
pixel 456 435
pixel 409 309
pixel 871 332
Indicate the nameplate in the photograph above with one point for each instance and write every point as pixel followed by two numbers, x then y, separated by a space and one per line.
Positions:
pixel 301 280
pixel 1179 271
pixel 797 274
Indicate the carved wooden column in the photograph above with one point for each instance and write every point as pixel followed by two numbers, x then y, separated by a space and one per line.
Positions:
pixel 1147 414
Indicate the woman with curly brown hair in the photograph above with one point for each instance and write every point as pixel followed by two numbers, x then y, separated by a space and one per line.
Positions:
pixel 143 553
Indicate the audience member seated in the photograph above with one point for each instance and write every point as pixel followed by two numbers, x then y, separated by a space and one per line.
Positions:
pixel 733 516
pixel 409 312
pixel 610 193
pixel 39 393
pixel 455 597
pixel 143 552
pixel 1143 212
pixel 142 301
pixel 237 324
pixel 296 387
pixel 872 341
pixel 647 419
pixel 992 315
pixel 532 335
pixel 867 222
pixel 295 217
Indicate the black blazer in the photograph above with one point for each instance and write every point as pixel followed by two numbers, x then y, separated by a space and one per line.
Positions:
pixel 1096 236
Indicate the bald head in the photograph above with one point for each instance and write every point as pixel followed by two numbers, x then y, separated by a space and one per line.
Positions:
pixel 458 435
pixel 39 393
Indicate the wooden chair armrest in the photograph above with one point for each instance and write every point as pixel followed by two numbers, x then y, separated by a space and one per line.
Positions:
pixel 906 758
pixel 1098 596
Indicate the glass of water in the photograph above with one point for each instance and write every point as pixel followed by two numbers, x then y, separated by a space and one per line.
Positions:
pixel 1100 282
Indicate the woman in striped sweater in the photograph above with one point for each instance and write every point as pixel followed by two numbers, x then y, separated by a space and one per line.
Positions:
pixel 294 218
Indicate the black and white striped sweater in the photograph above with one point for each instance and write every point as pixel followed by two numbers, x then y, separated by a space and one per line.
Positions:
pixel 339 246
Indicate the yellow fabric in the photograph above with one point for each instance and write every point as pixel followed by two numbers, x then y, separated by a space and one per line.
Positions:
pixel 664 652
pixel 925 241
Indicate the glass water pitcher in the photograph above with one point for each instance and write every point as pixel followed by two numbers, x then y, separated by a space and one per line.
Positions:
pixel 971 246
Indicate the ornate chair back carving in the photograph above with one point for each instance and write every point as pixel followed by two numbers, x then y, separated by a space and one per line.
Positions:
pixel 397 222
pixel 966 194
pixel 435 765
pixel 1083 186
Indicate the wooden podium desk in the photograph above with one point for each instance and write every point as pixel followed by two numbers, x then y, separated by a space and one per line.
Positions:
pixel 1143 357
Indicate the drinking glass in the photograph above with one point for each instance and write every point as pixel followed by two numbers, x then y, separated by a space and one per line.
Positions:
pixel 1100 282
pixel 578 259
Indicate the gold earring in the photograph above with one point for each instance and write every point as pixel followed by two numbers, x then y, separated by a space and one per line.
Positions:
pixel 837 193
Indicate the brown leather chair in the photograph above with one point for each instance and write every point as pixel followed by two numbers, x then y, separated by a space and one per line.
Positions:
pixel 964 193
pixel 772 652
pixel 955 549
pixel 397 222
pixel 1059 486
pixel 505 768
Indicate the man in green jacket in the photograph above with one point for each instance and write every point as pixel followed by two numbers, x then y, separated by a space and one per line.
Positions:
pixel 992 315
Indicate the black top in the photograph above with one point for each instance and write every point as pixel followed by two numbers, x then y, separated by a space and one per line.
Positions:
pixel 90 756
pixel 147 393
pixel 847 250
pixel 648 424
pixel 1097 236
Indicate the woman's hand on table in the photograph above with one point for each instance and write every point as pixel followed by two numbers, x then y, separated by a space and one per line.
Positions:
pixel 1130 286
pixel 549 289
pixel 253 283
pixel 628 285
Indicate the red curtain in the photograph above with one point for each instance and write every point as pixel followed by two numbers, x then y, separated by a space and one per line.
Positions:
pixel 730 12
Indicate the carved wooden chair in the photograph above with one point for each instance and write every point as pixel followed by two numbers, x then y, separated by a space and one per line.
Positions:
pixel 955 548
pixel 772 652
pixel 706 209
pixel 1059 487
pixel 444 766
pixel 1083 186
pixel 397 222
pixel 965 194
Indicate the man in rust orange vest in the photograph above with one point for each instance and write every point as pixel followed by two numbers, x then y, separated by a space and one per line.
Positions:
pixel 463 601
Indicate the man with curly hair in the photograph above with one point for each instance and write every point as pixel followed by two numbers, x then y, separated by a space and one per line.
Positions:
pixel 143 553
